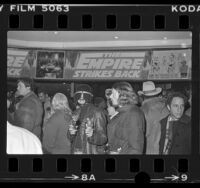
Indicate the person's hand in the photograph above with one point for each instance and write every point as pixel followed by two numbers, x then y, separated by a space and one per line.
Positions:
pixel 89 129
pixel 75 117
pixel 72 130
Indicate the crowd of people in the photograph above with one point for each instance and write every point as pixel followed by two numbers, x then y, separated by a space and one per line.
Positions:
pixel 124 122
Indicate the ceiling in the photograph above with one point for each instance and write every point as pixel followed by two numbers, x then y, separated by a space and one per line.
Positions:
pixel 97 39
pixel 85 36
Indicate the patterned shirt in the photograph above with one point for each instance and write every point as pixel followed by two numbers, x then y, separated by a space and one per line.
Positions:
pixel 168 137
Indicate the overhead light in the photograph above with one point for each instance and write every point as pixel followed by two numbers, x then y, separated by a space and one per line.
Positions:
pixel 56 32
pixel 183 45
pixel 116 37
pixel 165 38
pixel 184 54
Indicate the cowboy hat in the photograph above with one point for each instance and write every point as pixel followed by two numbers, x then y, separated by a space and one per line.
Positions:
pixel 149 89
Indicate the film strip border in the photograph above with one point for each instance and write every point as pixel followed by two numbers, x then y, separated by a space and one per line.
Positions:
pixel 38 22
pixel 85 168
pixel 98 18
pixel 106 168
pixel 90 22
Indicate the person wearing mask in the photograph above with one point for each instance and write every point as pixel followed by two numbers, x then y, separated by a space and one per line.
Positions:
pixel 88 134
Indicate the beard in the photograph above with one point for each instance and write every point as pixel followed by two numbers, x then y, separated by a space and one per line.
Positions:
pixel 111 104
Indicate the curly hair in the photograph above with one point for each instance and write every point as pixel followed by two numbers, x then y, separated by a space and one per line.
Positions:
pixel 174 94
pixel 127 95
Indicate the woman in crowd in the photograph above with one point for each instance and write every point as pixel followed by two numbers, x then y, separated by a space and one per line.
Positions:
pixel 55 140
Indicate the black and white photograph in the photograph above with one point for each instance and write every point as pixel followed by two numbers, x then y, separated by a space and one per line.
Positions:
pixel 50 64
pixel 99 92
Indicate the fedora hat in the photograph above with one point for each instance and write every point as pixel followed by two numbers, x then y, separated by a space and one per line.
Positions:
pixel 149 89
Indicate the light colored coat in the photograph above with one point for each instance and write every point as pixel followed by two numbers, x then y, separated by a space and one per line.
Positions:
pixel 154 110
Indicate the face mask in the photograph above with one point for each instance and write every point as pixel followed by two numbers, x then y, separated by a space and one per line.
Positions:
pixel 82 100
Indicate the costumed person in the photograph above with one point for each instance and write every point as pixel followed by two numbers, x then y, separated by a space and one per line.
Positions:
pixel 88 132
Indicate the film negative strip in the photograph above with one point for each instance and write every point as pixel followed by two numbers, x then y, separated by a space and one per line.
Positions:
pixel 60 47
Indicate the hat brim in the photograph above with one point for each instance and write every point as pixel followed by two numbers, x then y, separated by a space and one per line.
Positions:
pixel 157 91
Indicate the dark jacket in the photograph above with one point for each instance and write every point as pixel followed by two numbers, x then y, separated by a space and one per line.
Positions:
pixel 126 131
pixel 29 114
pixel 55 139
pixel 181 136
pixel 80 141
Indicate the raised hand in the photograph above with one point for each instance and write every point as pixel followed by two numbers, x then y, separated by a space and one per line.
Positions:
pixel 89 128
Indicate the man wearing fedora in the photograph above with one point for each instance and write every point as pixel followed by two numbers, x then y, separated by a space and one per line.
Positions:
pixel 88 133
pixel 154 108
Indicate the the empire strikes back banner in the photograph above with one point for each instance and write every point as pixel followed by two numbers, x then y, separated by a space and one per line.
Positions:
pixel 100 65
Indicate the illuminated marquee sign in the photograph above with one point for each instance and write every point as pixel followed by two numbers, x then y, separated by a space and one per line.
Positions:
pixel 100 65
pixel 136 65
pixel 108 65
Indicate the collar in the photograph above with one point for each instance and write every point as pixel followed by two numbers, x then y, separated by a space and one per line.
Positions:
pixel 111 117
pixel 171 118
pixel 153 99
pixel 184 119
pixel 28 94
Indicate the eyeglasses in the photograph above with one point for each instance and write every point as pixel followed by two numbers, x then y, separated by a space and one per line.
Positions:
pixel 108 93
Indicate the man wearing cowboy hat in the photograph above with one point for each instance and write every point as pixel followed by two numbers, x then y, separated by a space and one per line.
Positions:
pixel 154 109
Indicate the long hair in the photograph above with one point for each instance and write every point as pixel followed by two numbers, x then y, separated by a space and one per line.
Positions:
pixel 60 102
pixel 127 95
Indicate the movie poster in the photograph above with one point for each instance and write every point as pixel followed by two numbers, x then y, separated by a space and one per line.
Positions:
pixel 109 65
pixel 21 63
pixel 170 64
pixel 50 64
pixel 135 65
pixel 15 61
